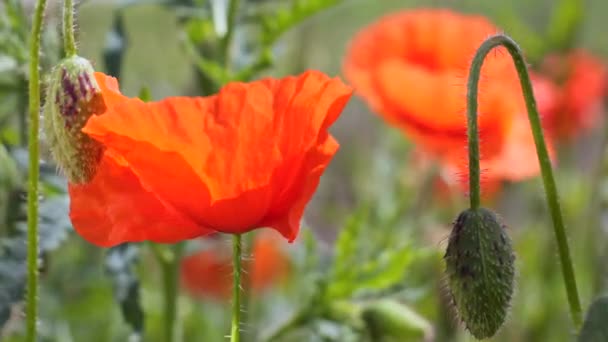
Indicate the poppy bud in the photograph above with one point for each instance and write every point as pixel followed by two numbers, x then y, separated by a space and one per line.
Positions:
pixel 73 95
pixel 480 271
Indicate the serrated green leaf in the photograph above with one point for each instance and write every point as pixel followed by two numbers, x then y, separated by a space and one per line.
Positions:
pixel 120 266
pixel 387 270
pixel 595 328
pixel 346 244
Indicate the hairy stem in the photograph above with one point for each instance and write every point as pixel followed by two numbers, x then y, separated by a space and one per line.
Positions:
pixel 31 310
pixel 235 333
pixel 541 151
pixel 69 43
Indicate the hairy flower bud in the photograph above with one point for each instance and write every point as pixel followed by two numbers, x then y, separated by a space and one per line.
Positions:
pixel 480 271
pixel 72 97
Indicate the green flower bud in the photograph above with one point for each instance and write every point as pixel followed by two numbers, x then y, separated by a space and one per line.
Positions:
pixel 480 271
pixel 72 97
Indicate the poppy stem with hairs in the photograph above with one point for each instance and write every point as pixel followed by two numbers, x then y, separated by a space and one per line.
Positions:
pixel 31 310
pixel 237 249
pixel 69 43
pixel 541 151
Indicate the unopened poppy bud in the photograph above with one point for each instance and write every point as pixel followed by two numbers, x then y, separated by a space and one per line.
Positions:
pixel 480 271
pixel 72 97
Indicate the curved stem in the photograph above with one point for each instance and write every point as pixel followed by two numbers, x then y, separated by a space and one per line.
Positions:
pixel 69 43
pixel 31 310
pixel 541 151
pixel 235 333
pixel 472 130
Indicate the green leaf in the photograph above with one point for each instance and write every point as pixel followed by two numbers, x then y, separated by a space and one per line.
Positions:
pixel 387 270
pixel 213 70
pixel 595 328
pixel 12 275
pixel 54 224
pixel 120 266
pixel 346 244
pixel 144 94
pixel 565 24
pixel 273 26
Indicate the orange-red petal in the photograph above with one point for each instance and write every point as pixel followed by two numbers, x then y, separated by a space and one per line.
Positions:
pixel 246 157
pixel 115 208
pixel 583 84
pixel 412 67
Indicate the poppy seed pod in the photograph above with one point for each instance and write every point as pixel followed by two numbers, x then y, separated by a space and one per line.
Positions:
pixel 72 97
pixel 480 271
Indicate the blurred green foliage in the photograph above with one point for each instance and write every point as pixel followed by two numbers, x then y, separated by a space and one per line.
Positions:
pixel 368 267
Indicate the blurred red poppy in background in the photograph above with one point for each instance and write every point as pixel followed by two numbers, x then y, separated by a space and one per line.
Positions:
pixel 582 84
pixel 208 273
pixel 412 68
pixel 249 157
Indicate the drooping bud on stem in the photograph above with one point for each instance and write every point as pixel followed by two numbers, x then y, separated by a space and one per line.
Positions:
pixel 72 97
pixel 480 271
pixel 541 150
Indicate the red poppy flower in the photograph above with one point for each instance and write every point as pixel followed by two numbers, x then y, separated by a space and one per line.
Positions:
pixel 249 157
pixel 411 68
pixel 208 273
pixel 583 83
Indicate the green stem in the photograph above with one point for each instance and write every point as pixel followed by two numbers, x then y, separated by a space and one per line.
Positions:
pixel 169 260
pixel 227 39
pixel 247 300
pixel 69 43
pixel 31 310
pixel 472 131
pixel 235 333
pixel 541 150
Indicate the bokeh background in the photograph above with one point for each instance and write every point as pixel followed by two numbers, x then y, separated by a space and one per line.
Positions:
pixel 397 226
